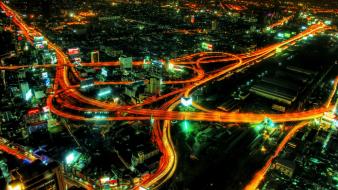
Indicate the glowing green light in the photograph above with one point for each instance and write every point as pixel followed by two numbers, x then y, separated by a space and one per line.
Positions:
pixel 207 46
pixel 70 158
pixel 335 178
pixel 258 127
pixel 269 123
pixel 316 121
pixel 186 127
pixel 280 35
pixel 170 66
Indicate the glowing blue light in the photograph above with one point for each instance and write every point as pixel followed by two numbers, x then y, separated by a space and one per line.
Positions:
pixel 26 161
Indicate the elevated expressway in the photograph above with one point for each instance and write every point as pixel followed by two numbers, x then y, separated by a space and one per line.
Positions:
pixel 67 95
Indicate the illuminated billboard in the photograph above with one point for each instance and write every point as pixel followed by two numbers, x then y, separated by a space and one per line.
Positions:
pixel 73 51
pixel 38 39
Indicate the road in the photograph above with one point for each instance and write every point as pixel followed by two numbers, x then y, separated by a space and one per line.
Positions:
pixel 67 94
pixel 259 176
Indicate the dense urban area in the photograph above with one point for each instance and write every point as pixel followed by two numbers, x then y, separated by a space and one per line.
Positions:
pixel 168 94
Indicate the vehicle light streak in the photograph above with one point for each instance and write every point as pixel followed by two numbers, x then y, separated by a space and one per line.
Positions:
pixel 259 176
pixel 67 95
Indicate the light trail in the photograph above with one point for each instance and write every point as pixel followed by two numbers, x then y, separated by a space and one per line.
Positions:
pixel 259 176
pixel 67 95
pixel 280 22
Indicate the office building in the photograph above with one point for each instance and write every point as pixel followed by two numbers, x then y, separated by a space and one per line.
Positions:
pixel 126 62
pixel 37 176
pixel 154 85
pixel 286 167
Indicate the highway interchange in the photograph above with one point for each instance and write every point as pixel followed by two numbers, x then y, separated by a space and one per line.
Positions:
pixel 65 93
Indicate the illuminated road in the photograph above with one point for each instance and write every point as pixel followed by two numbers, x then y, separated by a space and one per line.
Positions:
pixel 67 95
pixel 216 116
pixel 16 150
pixel 280 22
pixel 259 176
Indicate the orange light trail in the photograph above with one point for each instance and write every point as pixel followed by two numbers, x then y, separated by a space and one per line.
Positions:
pixel 280 22
pixel 259 176
pixel 66 95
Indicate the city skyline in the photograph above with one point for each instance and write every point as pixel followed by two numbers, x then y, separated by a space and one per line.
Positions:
pixel 159 94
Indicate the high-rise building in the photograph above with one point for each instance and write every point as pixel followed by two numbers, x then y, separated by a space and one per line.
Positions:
pixel 26 92
pixel 38 176
pixel 286 167
pixel 4 174
pixel 95 56
pixel 154 85
pixel 147 62
pixel 141 157
pixel 126 62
